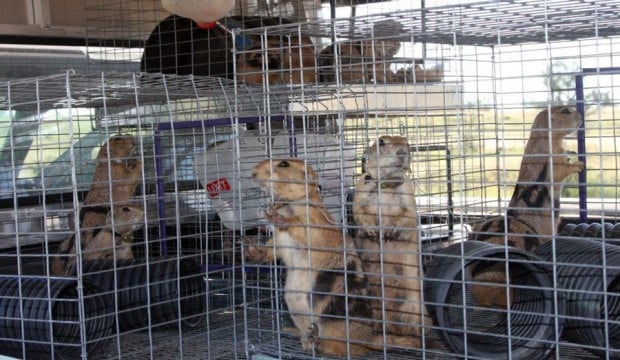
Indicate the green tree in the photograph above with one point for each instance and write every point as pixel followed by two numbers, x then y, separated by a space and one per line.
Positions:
pixel 559 77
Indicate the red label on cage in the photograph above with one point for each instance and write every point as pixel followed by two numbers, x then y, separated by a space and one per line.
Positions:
pixel 215 187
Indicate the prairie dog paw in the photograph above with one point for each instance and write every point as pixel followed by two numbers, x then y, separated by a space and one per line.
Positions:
pixel 310 339
pixel 391 234
pixel 272 214
pixel 580 166
pixel 369 233
pixel 270 211
pixel 313 333
pixel 254 252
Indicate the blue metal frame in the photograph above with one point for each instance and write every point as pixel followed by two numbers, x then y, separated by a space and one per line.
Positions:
pixel 581 135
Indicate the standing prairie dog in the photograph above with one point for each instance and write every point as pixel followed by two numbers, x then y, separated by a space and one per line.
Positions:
pixel 325 287
pixel 385 209
pixel 533 215
pixel 115 179
pixel 115 236
pixel 384 204
pixel 533 211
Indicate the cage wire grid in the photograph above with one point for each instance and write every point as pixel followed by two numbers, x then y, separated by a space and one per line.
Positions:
pixel 189 293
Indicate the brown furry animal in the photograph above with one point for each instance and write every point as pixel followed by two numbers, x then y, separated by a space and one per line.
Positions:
pixel 325 288
pixel 385 208
pixel 114 240
pixel 350 67
pixel 285 63
pixel 116 235
pixel 380 53
pixel 365 60
pixel 177 46
pixel 384 204
pixel 115 179
pixel 533 212
pixel 355 62
pixel 417 74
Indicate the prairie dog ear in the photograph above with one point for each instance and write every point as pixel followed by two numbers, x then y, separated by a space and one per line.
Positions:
pixel 108 216
pixel 566 110
pixel 311 175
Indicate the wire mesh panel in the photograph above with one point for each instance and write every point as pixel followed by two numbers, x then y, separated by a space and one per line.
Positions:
pixel 361 180
pixel 486 100
pixel 110 247
pixel 141 35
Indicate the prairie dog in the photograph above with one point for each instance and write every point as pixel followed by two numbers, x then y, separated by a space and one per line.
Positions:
pixel 533 214
pixel 117 232
pixel 384 204
pixel 367 59
pixel 356 61
pixel 385 208
pixel 379 53
pixel 417 74
pixel 351 68
pixel 283 63
pixel 325 287
pixel 533 211
pixel 118 169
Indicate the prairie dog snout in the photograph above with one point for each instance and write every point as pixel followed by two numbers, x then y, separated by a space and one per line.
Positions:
pixel 120 147
pixel 287 179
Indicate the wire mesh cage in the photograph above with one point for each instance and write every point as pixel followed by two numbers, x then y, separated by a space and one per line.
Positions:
pixel 356 179
pixel 159 261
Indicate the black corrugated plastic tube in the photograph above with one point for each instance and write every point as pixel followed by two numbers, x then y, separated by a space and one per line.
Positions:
pixel 169 288
pixel 45 318
pixel 609 231
pixel 588 274
pixel 528 328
